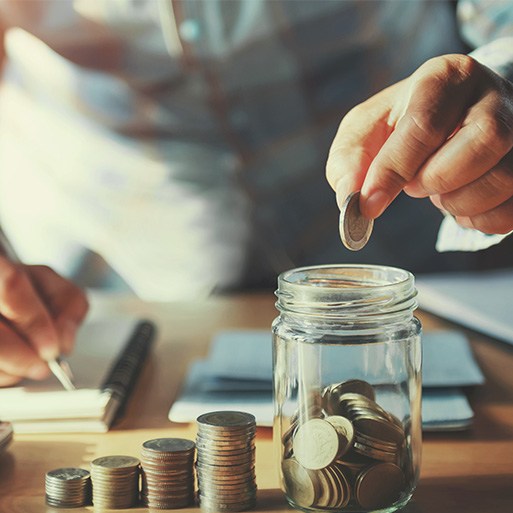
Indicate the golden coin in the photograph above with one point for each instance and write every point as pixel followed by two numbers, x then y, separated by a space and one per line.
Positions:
pixel 326 396
pixel 376 454
pixel 345 432
pixel 350 469
pixel 378 428
pixel 344 484
pixel 354 386
pixel 327 489
pixel 300 483
pixel 338 490
pixel 289 433
pixel 379 486
pixel 376 444
pixel 355 230
pixel 316 444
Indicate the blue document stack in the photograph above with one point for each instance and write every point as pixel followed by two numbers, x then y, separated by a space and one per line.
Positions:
pixel 237 375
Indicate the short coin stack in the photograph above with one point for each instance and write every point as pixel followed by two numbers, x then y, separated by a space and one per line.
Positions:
pixel 68 487
pixel 6 435
pixel 115 481
pixel 352 455
pixel 226 461
pixel 167 473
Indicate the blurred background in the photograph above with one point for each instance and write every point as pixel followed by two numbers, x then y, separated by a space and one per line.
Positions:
pixel 177 148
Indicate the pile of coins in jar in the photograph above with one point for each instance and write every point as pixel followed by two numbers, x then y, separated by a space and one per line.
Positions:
pixel 164 477
pixel 351 454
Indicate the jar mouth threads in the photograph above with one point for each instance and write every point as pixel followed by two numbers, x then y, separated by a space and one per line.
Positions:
pixel 346 291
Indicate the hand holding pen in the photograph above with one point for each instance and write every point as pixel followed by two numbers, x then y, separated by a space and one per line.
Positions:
pixel 40 312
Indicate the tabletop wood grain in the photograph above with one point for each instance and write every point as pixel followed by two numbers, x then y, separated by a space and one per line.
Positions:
pixel 471 472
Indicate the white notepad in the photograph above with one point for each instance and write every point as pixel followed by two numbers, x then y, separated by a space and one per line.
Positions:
pixel 238 375
pixel 105 362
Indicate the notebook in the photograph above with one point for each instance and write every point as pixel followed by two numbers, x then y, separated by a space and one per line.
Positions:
pixel 106 361
pixel 238 375
pixel 478 300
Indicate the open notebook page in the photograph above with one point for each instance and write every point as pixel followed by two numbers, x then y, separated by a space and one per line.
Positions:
pixel 98 345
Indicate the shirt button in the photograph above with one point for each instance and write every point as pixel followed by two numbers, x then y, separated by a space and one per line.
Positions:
pixel 190 30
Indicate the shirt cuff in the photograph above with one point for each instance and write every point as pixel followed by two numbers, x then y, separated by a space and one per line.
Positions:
pixel 453 237
pixel 497 55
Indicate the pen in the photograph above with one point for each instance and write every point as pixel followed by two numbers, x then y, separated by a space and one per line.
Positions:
pixel 59 367
pixel 62 371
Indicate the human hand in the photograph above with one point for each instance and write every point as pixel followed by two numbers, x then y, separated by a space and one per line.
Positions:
pixel 40 313
pixel 445 132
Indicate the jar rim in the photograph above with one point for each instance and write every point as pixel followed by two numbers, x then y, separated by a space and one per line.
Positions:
pixel 349 291
pixel 286 275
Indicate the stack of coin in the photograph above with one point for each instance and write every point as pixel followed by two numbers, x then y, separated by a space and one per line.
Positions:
pixel 68 487
pixel 354 454
pixel 167 473
pixel 6 435
pixel 226 461
pixel 115 481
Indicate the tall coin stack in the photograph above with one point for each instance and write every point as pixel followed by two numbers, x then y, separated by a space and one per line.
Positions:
pixel 167 473
pixel 115 481
pixel 226 461
pixel 68 487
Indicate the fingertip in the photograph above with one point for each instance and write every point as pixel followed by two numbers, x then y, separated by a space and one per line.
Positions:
pixel 415 190
pixel 38 371
pixel 465 222
pixel 49 352
pixel 374 204
pixel 437 202
pixel 344 187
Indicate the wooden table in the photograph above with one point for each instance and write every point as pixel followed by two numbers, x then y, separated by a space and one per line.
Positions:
pixel 468 472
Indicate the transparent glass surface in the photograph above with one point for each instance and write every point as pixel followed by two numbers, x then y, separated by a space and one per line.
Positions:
pixel 347 388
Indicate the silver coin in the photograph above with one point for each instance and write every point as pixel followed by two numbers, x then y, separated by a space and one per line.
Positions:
pixel 113 463
pixel 169 445
pixel 68 474
pixel 227 419
pixel 355 230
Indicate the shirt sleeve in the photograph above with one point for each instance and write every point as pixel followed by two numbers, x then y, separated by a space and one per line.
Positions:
pixel 487 26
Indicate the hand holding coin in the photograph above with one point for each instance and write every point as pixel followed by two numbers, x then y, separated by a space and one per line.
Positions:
pixel 444 132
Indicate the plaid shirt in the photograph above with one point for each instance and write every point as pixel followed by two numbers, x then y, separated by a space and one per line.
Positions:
pixel 185 141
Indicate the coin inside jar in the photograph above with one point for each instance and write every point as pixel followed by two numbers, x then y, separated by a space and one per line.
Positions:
pixel 316 444
pixel 300 483
pixel 379 486
pixel 345 432
pixel 355 230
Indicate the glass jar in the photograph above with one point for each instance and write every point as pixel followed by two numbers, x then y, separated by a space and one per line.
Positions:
pixel 347 387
